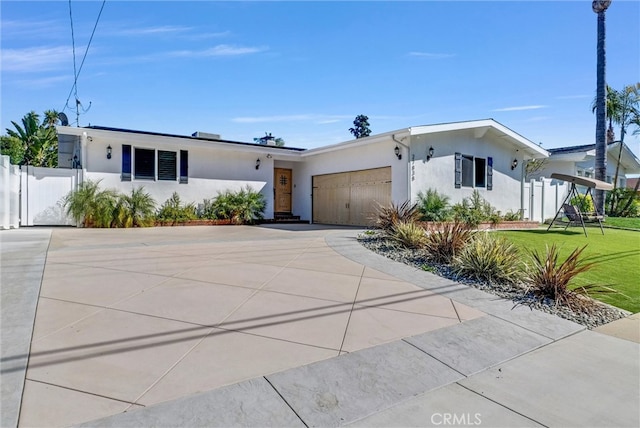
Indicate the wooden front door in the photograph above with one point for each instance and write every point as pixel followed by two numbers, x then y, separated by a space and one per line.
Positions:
pixel 282 186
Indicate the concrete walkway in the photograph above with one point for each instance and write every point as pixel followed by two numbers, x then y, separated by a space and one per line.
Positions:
pixel 293 326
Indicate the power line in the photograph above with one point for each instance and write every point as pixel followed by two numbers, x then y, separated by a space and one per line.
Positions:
pixel 76 74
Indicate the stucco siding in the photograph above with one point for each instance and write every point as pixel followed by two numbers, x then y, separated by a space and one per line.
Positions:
pixel 439 172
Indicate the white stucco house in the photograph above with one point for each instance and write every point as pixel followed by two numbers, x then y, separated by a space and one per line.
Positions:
pixel 334 184
pixel 580 161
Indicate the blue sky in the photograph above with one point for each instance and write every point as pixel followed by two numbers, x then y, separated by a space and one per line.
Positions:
pixel 304 70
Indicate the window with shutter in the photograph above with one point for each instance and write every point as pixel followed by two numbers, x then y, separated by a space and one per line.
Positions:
pixel 167 164
pixel 144 163
pixel 489 173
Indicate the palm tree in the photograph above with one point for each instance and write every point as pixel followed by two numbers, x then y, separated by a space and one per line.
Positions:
pixel 39 142
pixel 90 206
pixel 627 109
pixel 599 7
pixel 136 209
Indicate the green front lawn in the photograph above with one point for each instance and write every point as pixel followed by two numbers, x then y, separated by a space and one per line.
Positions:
pixel 617 255
pixel 626 222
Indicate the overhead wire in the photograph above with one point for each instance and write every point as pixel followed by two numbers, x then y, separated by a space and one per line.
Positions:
pixel 76 74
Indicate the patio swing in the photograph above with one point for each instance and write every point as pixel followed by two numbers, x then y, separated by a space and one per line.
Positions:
pixel 573 214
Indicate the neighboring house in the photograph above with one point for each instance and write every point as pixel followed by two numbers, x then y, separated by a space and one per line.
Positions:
pixel 336 184
pixel 580 161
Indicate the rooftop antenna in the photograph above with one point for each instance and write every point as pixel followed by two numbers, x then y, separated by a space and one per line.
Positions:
pixel 79 107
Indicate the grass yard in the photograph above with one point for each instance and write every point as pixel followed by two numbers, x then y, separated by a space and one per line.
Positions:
pixel 625 222
pixel 617 255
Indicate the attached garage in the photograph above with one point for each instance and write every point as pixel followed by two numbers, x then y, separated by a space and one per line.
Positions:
pixel 350 198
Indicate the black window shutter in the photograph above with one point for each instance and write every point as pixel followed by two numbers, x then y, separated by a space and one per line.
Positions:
pixel 489 173
pixel 458 170
pixel 166 165
pixel 184 166
pixel 126 163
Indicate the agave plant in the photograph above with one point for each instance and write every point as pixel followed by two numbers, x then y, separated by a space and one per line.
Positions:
pixel 90 206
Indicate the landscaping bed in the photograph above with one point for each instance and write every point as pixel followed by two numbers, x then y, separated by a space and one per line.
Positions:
pixel 594 314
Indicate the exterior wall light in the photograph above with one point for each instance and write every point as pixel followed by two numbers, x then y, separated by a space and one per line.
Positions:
pixel 429 154
pixel 109 151
pixel 397 152
pixel 514 164
pixel 258 163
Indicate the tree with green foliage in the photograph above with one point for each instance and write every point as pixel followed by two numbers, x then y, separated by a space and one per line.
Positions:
pixel 360 126
pixel 33 142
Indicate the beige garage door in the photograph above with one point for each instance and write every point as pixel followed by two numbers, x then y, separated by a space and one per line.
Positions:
pixel 350 198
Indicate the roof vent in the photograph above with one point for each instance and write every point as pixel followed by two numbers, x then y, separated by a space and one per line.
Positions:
pixel 207 135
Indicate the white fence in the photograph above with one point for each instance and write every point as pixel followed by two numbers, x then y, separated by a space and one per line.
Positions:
pixel 9 194
pixel 42 194
pixel 543 197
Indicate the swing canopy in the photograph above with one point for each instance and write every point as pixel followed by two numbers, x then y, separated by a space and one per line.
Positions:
pixel 583 181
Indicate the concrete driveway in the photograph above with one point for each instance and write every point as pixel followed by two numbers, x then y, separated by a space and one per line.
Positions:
pixel 281 326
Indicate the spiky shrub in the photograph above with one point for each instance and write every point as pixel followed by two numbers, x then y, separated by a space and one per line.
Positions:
pixel 446 241
pixel 489 258
pixel 388 215
pixel 207 210
pixel 547 277
pixel 433 206
pixel 90 206
pixel 408 234
pixel 511 216
pixel 174 211
pixel 474 210
pixel 245 206
pixel 136 209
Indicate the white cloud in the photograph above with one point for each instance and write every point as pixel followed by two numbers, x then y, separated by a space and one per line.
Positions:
pixel 37 58
pixel 143 31
pixel 520 108
pixel 431 55
pixel 25 29
pixel 219 50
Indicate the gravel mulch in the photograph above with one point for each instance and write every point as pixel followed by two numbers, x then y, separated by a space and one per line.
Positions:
pixel 594 314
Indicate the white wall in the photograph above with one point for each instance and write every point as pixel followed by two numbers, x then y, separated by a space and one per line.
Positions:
pixel 439 172
pixel 210 171
pixel 369 156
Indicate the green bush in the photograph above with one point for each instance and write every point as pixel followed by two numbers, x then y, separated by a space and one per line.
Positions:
pixel 135 210
pixel 489 258
pixel 433 206
pixel 387 216
pixel 408 234
pixel 622 203
pixel 444 243
pixel 173 211
pixel 208 210
pixel 583 203
pixel 242 207
pixel 475 210
pixel 90 206
pixel 511 216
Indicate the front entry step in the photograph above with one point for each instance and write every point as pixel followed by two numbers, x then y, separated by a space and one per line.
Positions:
pixel 287 218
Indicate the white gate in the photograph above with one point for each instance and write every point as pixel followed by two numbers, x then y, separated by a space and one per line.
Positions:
pixel 42 194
